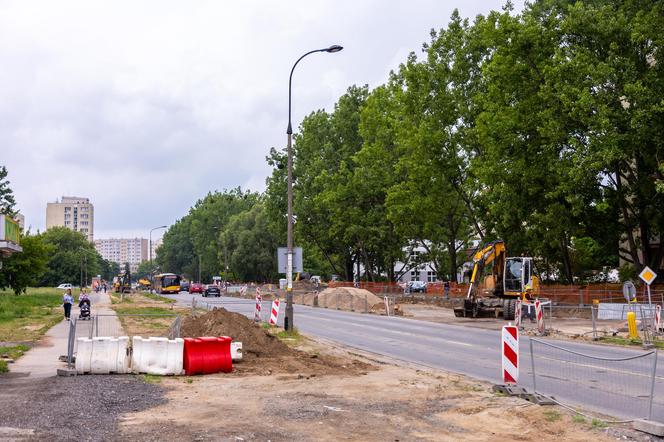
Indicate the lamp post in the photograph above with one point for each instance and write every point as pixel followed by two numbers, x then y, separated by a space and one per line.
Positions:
pixel 150 248
pixel 288 322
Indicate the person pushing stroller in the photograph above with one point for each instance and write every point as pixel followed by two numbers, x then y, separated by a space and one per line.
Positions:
pixel 84 305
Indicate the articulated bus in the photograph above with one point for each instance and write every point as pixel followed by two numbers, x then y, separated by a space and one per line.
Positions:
pixel 167 283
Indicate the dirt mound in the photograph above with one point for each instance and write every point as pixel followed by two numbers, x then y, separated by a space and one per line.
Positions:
pixel 264 353
pixel 220 322
pixel 344 298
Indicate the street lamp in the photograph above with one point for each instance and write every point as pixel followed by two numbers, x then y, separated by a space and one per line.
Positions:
pixel 150 251
pixel 288 322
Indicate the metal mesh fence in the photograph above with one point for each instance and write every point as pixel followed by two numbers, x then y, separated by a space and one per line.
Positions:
pixel 603 383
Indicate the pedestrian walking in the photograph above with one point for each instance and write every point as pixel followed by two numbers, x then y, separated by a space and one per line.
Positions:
pixel 67 301
pixel 446 286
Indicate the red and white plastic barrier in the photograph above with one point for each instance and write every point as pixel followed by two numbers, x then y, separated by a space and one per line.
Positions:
pixel 510 354
pixel 257 311
pixel 243 290
pixel 207 355
pixel 658 317
pixel 517 313
pixel 540 316
pixel 274 313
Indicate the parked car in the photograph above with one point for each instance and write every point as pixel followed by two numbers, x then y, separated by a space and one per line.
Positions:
pixel 417 287
pixel 196 287
pixel 64 286
pixel 212 290
pixel 184 286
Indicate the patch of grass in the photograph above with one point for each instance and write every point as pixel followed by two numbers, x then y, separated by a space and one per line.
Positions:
pixel 156 297
pixel 617 340
pixel 3 367
pixel 598 423
pixel 290 337
pixel 116 298
pixel 28 316
pixel 151 379
pixel 578 419
pixel 189 381
pixel 156 321
pixel 266 326
pixel 551 415
pixel 15 351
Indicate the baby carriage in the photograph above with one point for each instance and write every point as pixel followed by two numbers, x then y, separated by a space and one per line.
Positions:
pixel 84 306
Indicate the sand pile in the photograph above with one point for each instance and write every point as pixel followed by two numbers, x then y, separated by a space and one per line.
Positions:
pixel 343 298
pixel 264 353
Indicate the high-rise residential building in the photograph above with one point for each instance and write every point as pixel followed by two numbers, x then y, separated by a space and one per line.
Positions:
pixel 155 245
pixel 72 212
pixel 122 250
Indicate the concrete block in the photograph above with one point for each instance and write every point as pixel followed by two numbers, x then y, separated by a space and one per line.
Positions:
pixel 66 372
pixel 650 427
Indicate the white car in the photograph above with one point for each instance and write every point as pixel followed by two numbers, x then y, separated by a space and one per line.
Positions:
pixel 64 286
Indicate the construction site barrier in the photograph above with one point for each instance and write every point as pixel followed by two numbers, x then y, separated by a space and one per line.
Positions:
pixel 236 351
pixel 102 355
pixel 158 356
pixel 207 355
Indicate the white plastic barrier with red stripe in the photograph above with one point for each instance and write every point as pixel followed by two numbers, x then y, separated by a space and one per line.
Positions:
pixel 274 313
pixel 257 311
pixel 517 313
pixel 510 354
pixel 540 316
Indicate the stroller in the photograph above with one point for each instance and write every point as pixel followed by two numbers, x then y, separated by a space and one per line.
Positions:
pixel 84 305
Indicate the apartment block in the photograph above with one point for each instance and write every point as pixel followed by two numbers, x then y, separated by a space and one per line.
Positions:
pixel 73 212
pixel 122 250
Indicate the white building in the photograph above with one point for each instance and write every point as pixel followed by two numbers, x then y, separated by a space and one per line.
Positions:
pixel 73 212
pixel 122 250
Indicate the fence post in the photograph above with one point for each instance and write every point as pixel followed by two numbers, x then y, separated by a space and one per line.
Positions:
pixel 337 300
pixel 652 386
pixel 366 304
pixel 71 341
pixel 92 326
pixel 532 365
pixel 96 324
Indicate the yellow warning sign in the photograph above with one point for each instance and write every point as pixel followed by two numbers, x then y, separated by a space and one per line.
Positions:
pixel 648 275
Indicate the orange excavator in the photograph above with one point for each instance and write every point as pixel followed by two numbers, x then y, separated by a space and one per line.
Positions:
pixel 509 280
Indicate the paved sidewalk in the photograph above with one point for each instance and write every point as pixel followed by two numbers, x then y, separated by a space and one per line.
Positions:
pixel 42 360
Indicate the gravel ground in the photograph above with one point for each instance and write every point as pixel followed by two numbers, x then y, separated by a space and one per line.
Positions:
pixel 71 408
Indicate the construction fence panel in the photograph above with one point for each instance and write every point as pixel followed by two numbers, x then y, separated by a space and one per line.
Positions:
pixel 601 378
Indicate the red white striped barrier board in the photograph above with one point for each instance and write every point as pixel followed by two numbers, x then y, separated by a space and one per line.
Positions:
pixel 658 317
pixel 510 352
pixel 540 316
pixel 517 313
pixel 274 314
pixel 257 312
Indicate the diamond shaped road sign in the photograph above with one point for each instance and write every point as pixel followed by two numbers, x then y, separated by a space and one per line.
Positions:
pixel 648 275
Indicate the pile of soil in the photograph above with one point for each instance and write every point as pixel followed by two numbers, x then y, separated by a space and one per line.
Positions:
pixel 344 298
pixel 264 353
pixel 256 342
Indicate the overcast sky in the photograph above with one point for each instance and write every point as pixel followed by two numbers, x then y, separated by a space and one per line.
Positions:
pixel 145 106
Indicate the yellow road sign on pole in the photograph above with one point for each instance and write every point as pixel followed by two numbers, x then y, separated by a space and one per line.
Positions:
pixel 648 275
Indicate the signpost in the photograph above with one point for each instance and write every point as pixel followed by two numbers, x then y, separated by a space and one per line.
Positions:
pixel 648 276
pixel 282 259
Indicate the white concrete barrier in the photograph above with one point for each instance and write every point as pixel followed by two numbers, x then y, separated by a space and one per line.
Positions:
pixel 102 355
pixel 236 351
pixel 159 356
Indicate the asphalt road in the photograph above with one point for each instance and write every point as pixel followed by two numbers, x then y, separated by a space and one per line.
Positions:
pixel 616 388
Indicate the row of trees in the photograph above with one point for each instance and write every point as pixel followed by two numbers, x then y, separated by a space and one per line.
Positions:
pixel 226 233
pixel 51 258
pixel 543 128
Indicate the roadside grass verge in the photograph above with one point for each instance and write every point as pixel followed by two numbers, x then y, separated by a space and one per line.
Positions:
pixel 156 321
pixel 117 299
pixel 617 340
pixel 156 297
pixel 14 352
pixel 26 317
pixel 291 337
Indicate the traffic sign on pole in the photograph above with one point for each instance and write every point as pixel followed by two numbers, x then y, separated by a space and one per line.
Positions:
pixel 648 275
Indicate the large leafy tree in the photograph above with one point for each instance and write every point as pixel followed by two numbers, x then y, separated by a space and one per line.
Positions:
pixel 7 201
pixel 27 268
pixel 71 254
